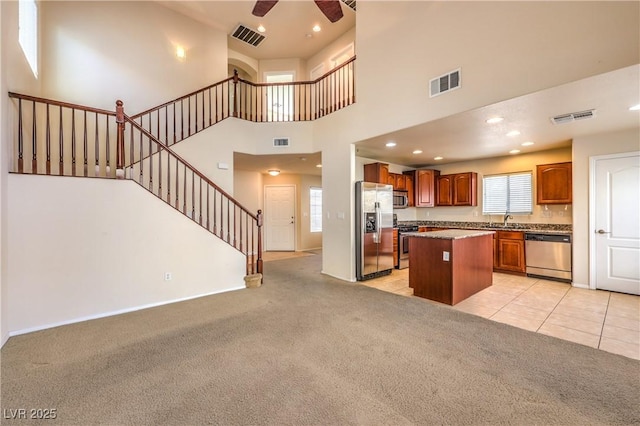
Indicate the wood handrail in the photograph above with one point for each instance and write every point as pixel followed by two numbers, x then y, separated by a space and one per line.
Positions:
pixel 181 98
pixel 323 76
pixel 186 163
pixel 60 103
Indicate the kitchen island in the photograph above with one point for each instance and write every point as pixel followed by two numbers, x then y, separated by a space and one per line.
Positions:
pixel 450 265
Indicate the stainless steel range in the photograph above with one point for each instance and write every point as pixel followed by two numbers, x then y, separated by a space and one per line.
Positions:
pixel 403 245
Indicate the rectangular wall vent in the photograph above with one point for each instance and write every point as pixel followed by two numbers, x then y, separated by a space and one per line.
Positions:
pixel 280 142
pixel 444 83
pixel 249 36
pixel 573 116
pixel 350 3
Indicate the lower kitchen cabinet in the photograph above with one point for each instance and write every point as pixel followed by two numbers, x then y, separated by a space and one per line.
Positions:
pixel 508 252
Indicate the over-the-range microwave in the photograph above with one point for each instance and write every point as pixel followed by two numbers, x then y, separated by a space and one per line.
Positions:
pixel 400 199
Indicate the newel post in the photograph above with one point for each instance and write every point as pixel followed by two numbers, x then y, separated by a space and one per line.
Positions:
pixel 259 261
pixel 235 93
pixel 120 140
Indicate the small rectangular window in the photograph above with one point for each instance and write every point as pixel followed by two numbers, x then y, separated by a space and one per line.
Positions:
pixel 509 193
pixel 28 32
pixel 315 209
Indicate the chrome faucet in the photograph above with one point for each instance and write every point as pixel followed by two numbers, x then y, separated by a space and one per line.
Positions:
pixel 507 216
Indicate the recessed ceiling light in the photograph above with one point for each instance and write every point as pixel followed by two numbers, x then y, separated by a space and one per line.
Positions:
pixel 319 166
pixel 494 120
pixel 261 28
pixel 513 133
pixel 390 144
pixel 316 28
pixel 417 151
pixel 514 151
pixel 635 108
pixel 274 172
pixel 529 143
pixel 438 158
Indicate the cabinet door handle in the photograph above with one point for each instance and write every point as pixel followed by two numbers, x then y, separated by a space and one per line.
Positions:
pixel 602 231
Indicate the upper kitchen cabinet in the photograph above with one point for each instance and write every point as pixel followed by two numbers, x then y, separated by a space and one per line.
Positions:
pixel 458 189
pixel 378 173
pixel 424 189
pixel 553 183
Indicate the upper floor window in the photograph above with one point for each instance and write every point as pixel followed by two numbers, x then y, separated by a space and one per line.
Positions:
pixel 28 32
pixel 508 193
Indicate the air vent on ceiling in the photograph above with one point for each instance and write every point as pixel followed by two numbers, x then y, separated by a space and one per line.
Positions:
pixel 249 36
pixel 444 83
pixel 281 142
pixel 573 116
pixel 350 3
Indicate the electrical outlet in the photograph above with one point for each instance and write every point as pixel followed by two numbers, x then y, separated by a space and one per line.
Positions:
pixel 167 276
pixel 445 256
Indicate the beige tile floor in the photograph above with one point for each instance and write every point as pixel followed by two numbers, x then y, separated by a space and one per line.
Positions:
pixel 600 319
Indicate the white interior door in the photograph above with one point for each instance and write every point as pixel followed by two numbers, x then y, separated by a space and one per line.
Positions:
pixel 280 207
pixel 616 230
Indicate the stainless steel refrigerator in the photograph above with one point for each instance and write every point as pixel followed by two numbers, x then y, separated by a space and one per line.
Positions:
pixel 374 230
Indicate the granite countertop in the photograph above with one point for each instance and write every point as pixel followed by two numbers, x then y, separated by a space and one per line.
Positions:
pixel 539 228
pixel 449 234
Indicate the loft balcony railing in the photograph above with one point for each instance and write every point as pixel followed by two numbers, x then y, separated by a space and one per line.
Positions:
pixel 187 115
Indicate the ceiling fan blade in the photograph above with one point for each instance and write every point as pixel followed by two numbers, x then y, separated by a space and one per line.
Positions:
pixel 331 9
pixel 263 6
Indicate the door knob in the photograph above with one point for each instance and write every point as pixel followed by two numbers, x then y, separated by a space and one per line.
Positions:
pixel 602 231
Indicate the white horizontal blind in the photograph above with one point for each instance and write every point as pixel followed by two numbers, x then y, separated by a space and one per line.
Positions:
pixel 28 32
pixel 511 193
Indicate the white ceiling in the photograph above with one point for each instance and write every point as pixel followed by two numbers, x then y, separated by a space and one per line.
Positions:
pixel 461 137
pixel 467 136
pixel 287 25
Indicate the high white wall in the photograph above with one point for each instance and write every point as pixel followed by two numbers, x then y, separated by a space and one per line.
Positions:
pixel 85 248
pixel 16 76
pixel 94 52
pixel 4 331
pixel 583 149
pixel 504 50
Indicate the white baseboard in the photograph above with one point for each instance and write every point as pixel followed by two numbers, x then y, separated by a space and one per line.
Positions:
pixel 5 337
pixel 351 280
pixel 579 285
pixel 112 313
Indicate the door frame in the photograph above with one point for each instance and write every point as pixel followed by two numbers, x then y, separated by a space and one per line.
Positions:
pixel 295 212
pixel 592 209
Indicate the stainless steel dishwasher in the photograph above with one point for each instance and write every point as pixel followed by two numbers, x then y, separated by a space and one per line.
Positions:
pixel 548 256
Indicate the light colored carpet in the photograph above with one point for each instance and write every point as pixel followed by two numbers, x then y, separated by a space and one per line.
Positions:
pixel 269 256
pixel 309 349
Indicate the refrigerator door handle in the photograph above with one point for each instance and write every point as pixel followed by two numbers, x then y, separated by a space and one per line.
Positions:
pixel 379 223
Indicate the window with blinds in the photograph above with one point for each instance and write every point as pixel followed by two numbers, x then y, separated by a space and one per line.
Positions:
pixel 28 32
pixel 508 193
pixel 315 209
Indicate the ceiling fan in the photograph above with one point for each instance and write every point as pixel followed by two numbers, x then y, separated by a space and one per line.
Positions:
pixel 330 8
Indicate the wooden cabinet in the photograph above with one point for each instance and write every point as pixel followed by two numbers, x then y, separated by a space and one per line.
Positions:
pixel 508 251
pixel 458 189
pixel 400 182
pixel 424 189
pixel 377 172
pixel 444 191
pixel 410 188
pixel 553 183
